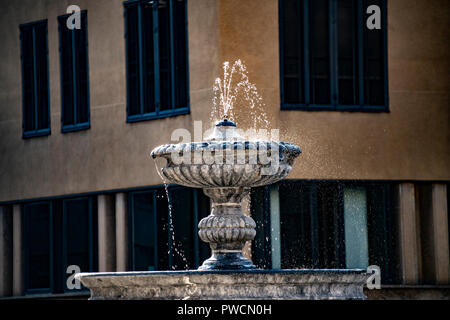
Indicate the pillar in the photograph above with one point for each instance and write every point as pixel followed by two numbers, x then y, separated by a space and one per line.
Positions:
pixel 6 268
pixel 409 240
pixel 275 240
pixel 106 234
pixel 439 216
pixel 121 232
pixel 18 278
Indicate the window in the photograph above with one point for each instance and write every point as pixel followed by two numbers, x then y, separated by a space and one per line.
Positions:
pixel 330 60
pixel 382 230
pixel 312 228
pixel 78 236
pixel 74 65
pixel 57 234
pixel 38 218
pixel 35 79
pixel 156 56
pixel 260 212
pixel 355 227
pixel 327 225
pixel 163 239
pixel 144 230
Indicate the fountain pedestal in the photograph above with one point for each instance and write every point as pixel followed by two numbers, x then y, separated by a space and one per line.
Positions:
pixel 226 230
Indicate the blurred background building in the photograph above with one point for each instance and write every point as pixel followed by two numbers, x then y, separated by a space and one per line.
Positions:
pixel 81 109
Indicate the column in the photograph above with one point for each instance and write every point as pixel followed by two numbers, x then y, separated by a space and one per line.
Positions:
pixel 106 234
pixel 6 274
pixel 121 232
pixel 18 278
pixel 409 240
pixel 275 227
pixel 439 218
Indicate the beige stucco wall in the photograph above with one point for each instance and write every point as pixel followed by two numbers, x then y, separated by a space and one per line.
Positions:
pixel 412 142
pixel 112 154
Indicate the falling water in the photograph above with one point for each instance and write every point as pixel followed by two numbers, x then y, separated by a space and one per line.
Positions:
pixel 173 246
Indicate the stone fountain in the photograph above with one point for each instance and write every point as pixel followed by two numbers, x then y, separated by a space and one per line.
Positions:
pixel 226 166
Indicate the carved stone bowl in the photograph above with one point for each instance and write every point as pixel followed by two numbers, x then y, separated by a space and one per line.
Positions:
pixel 198 173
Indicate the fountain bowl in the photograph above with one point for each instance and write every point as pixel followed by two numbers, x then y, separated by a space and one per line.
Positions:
pixel 200 174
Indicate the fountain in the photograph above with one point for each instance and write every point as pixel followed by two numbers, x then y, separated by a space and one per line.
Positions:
pixel 226 166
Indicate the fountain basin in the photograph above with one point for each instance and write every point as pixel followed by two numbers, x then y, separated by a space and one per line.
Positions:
pixel 199 174
pixel 298 284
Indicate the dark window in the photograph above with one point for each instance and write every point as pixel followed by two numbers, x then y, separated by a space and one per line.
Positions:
pixel 319 54
pixel 383 234
pixel 330 60
pixel 374 64
pixel 156 51
pixel 260 212
pixel 35 80
pixel 38 247
pixel 73 50
pixel 313 227
pixel 57 234
pixel 145 233
pixel 162 239
pixel 78 235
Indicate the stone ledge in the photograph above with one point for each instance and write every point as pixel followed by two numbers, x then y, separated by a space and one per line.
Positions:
pixel 409 292
pixel 227 285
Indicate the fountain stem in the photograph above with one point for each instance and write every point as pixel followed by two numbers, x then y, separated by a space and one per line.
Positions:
pixel 226 230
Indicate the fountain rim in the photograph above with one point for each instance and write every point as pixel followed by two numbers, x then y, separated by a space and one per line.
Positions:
pixel 284 147
pixel 351 271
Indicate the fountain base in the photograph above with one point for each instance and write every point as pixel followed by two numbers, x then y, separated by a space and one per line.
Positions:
pixel 227 261
pixel 302 284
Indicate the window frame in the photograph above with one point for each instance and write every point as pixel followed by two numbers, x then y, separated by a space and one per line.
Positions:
pixel 44 131
pixel 334 91
pixel 65 128
pixel 157 114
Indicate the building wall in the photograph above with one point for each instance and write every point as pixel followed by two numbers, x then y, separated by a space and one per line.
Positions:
pixel 112 154
pixel 411 142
